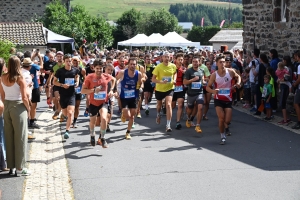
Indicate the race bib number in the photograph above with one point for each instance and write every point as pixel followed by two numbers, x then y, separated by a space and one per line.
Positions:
pixel 129 94
pixel 224 91
pixel 167 78
pixel 100 95
pixel 196 85
pixel 69 81
pixel 78 90
pixel 178 88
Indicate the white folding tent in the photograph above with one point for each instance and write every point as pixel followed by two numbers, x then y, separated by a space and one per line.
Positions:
pixel 175 40
pixel 138 40
pixel 52 37
pixel 155 39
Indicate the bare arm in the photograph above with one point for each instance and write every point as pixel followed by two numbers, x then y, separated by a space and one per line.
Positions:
pixel 120 75
pixel 233 74
pixel 23 86
pixel 210 83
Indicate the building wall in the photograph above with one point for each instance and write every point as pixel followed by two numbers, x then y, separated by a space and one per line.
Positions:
pixel 22 10
pixel 263 17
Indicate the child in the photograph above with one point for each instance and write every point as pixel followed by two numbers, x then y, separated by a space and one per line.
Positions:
pixel 247 88
pixel 267 95
pixel 282 72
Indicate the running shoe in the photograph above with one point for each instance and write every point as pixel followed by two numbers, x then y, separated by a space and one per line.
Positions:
pixel 93 142
pixel 50 106
pixel 55 116
pixel 267 118
pixel 282 122
pixel 223 140
pixel 139 115
pixel 104 143
pixel 168 129
pixel 86 113
pixel 75 125
pixel 198 129
pixel 66 135
pixel 158 120
pixel 23 172
pixel 127 136
pixel 227 132
pixel 178 126
pixel 188 123
pixel 147 111
pixel 34 125
pixel 296 126
pixel 123 119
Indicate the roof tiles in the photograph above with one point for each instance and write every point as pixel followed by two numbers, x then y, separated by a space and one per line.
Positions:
pixel 22 33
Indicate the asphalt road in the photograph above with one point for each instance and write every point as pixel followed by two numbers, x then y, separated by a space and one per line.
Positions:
pixel 259 161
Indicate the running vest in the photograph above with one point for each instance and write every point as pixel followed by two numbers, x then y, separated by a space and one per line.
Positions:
pixel 128 86
pixel 224 85
pixel 180 75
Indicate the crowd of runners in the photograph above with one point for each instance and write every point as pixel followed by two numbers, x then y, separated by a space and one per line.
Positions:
pixel 186 80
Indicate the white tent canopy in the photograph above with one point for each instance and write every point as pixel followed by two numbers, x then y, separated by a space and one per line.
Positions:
pixel 172 39
pixel 56 38
pixel 138 40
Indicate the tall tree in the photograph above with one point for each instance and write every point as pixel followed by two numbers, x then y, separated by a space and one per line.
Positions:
pixel 202 34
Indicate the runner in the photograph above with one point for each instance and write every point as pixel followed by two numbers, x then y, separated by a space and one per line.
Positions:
pixel 130 79
pixel 95 85
pixel 206 95
pixel 194 79
pixel 55 89
pixel 179 91
pixel 164 75
pixel 118 68
pixel 148 85
pixel 75 62
pixel 67 79
pixel 223 94
pixel 48 65
pixel 90 69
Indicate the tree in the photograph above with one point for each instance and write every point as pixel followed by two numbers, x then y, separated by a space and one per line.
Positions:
pixel 159 21
pixel 5 47
pixel 78 24
pixel 202 34
pixel 128 23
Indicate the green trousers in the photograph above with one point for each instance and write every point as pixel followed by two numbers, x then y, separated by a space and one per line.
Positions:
pixel 15 130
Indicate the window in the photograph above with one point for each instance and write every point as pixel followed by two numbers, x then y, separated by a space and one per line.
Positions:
pixel 283 10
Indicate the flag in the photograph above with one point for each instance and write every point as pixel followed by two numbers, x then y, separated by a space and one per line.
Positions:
pixel 222 23
pixel 202 22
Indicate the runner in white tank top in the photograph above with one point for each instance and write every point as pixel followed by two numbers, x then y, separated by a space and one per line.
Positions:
pixel 223 94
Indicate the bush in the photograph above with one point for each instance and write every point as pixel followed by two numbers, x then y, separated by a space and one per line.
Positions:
pixel 5 47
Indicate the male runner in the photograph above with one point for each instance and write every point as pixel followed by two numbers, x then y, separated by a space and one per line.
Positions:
pixel 164 75
pixel 95 85
pixel 130 79
pixel 48 65
pixel 90 69
pixel 67 79
pixel 223 94
pixel 148 85
pixel 194 79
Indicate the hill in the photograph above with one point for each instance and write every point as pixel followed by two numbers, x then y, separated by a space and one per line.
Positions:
pixel 113 9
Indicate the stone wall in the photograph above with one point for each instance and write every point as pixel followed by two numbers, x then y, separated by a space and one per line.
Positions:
pixel 263 17
pixel 22 10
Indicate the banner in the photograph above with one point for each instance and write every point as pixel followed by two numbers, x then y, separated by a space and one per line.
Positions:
pixel 202 22
pixel 222 23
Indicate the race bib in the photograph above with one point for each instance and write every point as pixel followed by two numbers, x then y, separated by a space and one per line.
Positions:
pixel 167 78
pixel 196 85
pixel 100 95
pixel 129 94
pixel 178 88
pixel 69 81
pixel 224 91
pixel 78 90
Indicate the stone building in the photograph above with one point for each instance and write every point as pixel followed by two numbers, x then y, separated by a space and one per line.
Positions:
pixel 23 10
pixel 272 24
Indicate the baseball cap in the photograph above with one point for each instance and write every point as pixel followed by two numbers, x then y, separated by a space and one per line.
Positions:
pixel 60 53
pixel 91 61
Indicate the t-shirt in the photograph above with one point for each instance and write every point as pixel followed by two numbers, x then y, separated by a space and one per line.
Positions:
pixel 91 81
pixel 267 90
pixel 46 58
pixel 251 74
pixel 34 71
pixel 163 72
pixel 196 87
pixel 67 77
pixel 56 67
pixel 149 69
pixel 28 79
pixel 48 67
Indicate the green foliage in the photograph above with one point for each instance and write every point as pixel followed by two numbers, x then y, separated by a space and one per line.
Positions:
pixel 212 15
pixel 234 25
pixel 202 34
pixel 78 24
pixel 159 21
pixel 5 47
pixel 232 1
pixel 128 23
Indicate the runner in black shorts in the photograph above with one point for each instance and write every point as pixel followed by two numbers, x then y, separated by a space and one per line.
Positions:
pixel 148 85
pixel 48 65
pixel 67 79
pixel 76 61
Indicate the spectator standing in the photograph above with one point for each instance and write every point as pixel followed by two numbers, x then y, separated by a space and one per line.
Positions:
pixel 297 94
pixel 2 143
pixel 274 60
